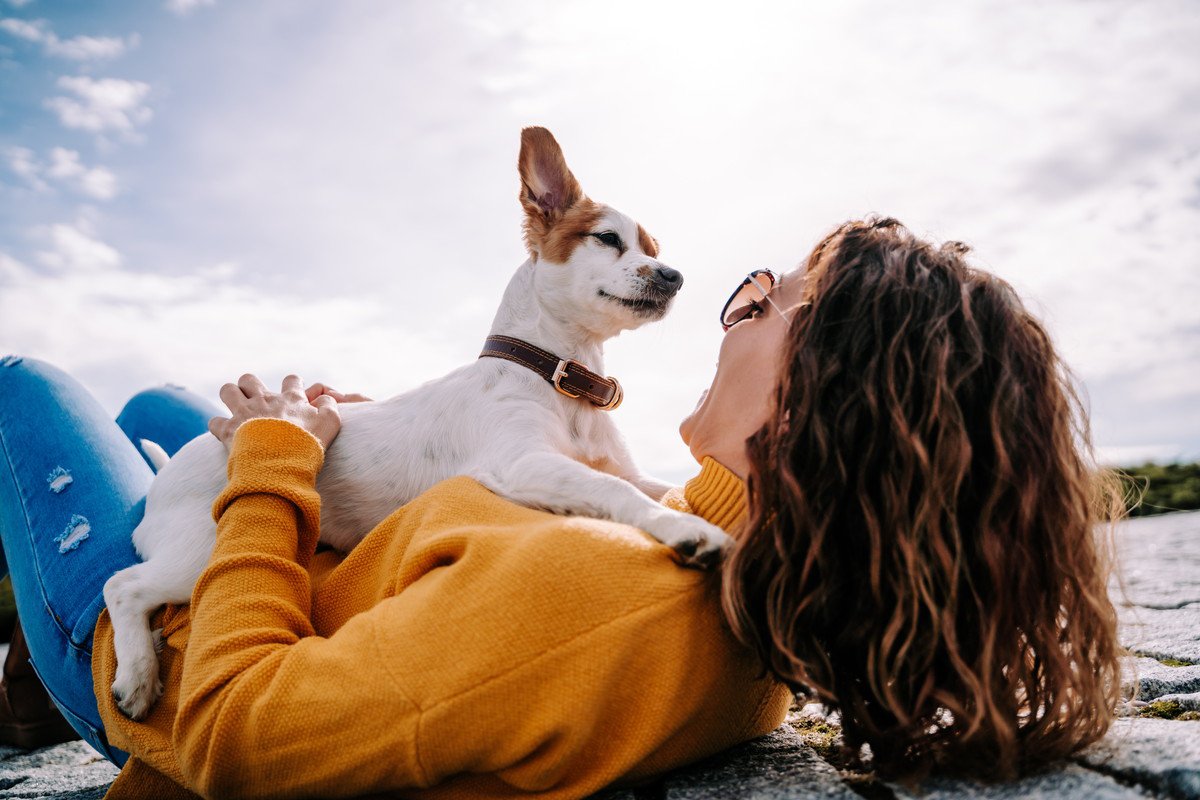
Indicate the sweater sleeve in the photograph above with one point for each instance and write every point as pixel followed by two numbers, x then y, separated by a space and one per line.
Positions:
pixel 263 700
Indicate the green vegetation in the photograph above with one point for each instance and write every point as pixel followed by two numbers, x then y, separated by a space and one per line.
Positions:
pixel 819 735
pixel 1162 488
pixel 1166 662
pixel 1174 662
pixel 1168 709
pixel 1162 709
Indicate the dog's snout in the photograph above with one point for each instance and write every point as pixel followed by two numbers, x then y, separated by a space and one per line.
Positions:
pixel 667 279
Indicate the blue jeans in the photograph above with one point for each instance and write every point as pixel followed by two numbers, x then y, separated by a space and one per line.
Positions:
pixel 72 488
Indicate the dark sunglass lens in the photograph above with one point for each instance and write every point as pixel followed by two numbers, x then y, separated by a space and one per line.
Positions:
pixel 754 289
pixel 738 307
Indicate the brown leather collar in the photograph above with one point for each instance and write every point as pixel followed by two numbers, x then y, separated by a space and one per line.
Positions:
pixel 567 375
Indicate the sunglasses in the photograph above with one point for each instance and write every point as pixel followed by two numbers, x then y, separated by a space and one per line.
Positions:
pixel 746 301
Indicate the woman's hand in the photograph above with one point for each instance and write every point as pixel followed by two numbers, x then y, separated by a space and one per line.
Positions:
pixel 249 399
pixel 320 390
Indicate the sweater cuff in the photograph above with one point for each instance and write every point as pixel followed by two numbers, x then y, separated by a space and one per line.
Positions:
pixel 274 456
pixel 717 495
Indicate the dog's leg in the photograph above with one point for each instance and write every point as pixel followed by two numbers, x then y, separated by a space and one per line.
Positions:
pixel 560 484
pixel 651 487
pixel 132 595
pixel 620 463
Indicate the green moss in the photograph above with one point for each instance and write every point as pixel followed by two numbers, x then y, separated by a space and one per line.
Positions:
pixel 1174 662
pixel 1163 709
pixel 1190 716
pixel 819 735
pixel 1166 662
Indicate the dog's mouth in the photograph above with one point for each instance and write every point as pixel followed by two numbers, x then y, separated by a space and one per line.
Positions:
pixel 646 304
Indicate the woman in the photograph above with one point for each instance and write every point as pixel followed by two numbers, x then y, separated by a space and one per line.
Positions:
pixel 889 436
pixel 920 550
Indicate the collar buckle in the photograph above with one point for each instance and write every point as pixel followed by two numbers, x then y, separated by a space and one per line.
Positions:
pixel 560 372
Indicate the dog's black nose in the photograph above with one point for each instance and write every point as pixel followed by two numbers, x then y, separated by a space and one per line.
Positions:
pixel 668 279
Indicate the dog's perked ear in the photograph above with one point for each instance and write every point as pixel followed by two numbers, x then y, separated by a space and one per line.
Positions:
pixel 547 186
pixel 553 200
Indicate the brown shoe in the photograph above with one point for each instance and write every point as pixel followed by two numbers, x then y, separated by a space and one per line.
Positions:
pixel 28 717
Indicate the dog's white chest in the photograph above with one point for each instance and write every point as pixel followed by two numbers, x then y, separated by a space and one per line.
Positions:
pixel 588 439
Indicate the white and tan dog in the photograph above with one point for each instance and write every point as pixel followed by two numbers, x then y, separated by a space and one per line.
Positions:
pixel 592 273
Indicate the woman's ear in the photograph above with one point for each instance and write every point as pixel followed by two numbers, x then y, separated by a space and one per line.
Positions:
pixel 547 186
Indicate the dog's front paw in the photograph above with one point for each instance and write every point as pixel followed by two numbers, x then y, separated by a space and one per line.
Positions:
pixel 136 688
pixel 696 542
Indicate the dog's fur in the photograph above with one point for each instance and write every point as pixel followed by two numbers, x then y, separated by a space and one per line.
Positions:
pixel 493 420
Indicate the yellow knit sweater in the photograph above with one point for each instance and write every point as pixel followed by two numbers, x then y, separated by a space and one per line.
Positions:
pixel 468 647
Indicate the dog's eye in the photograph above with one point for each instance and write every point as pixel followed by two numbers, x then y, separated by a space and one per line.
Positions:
pixel 609 239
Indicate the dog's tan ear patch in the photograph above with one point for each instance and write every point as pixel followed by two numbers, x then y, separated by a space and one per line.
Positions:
pixel 548 189
pixel 647 242
pixel 560 239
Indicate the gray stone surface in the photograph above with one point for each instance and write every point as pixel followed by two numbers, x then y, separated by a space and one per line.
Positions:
pixel 1159 600
pixel 1140 758
pixel 1063 783
pixel 1155 679
pixel 1159 754
pixel 73 770
pixel 776 767
pixel 1163 633
pixel 1160 559
pixel 1189 702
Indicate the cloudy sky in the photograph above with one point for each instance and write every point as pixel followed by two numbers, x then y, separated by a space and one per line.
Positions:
pixel 192 189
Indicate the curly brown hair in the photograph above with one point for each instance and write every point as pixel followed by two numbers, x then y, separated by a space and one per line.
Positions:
pixel 922 552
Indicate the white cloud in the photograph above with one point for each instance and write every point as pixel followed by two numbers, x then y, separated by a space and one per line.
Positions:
pixel 29 31
pixel 22 162
pixel 77 48
pixel 64 168
pixel 10 269
pixel 107 104
pixel 88 48
pixel 97 182
pixel 185 7
pixel 119 330
pixel 74 250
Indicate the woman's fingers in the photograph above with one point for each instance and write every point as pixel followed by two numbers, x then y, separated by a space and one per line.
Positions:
pixel 294 386
pixel 232 395
pixel 328 422
pixel 219 427
pixel 251 386
pixel 323 390
pixel 314 410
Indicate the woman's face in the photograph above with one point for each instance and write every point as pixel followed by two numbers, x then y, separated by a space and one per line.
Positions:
pixel 739 401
